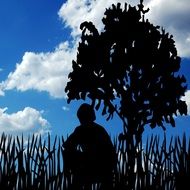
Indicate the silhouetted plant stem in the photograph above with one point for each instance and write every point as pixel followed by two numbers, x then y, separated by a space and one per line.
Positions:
pixel 159 165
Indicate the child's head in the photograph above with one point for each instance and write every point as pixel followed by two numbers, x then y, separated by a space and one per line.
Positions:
pixel 86 113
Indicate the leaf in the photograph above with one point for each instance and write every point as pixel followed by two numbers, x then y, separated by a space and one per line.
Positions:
pixel 83 95
pixel 172 121
pixel 182 107
pixel 98 104
pixel 104 110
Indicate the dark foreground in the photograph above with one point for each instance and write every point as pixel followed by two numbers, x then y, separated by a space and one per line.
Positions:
pixel 38 164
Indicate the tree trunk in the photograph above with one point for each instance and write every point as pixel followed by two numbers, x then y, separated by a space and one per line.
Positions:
pixel 134 157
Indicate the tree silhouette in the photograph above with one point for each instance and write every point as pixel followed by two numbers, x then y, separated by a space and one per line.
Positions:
pixel 131 69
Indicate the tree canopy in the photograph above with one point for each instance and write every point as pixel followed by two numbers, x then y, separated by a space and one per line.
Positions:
pixel 130 68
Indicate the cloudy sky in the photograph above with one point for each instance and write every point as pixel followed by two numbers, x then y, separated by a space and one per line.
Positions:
pixel 38 40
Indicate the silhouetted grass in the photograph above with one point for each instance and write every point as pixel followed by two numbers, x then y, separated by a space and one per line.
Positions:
pixel 38 164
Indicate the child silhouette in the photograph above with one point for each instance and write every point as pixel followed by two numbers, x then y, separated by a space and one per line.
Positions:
pixel 89 152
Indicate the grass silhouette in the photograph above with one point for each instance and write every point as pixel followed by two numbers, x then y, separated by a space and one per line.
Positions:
pixel 38 164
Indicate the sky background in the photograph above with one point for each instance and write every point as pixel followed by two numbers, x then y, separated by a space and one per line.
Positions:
pixel 38 41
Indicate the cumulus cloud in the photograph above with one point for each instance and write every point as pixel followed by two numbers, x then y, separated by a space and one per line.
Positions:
pixel 174 16
pixel 26 121
pixel 75 12
pixel 2 93
pixel 48 71
pixel 42 71
pixel 187 99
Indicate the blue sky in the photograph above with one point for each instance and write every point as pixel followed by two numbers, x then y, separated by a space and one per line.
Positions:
pixel 38 40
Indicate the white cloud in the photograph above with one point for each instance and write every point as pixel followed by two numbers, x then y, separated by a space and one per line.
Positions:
pixel 27 121
pixel 2 93
pixel 73 12
pixel 187 99
pixel 174 16
pixel 42 72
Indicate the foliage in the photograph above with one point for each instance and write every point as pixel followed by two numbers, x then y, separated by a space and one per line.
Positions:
pixel 131 68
